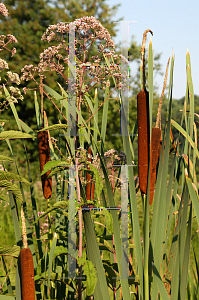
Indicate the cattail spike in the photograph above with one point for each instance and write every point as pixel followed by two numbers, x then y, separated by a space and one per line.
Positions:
pixel 44 157
pixel 26 266
pixel 143 138
pixel 27 275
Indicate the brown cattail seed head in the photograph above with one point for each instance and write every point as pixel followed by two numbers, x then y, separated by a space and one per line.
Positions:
pixel 155 145
pixel 143 138
pixel 44 157
pixel 27 275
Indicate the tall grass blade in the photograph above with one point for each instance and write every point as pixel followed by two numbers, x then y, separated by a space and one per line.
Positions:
pixel 116 230
pixel 159 283
pixel 104 116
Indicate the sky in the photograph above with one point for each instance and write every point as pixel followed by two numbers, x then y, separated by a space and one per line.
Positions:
pixel 175 25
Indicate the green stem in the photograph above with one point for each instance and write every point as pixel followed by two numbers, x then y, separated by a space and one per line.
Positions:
pixel 146 247
pixel 49 221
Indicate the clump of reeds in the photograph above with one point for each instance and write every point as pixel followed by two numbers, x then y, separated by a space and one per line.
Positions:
pixel 44 157
pixel 27 267
pixel 143 124
pixel 156 141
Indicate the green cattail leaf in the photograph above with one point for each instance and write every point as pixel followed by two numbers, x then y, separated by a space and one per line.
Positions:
pixel 98 181
pixel 52 250
pixel 92 111
pixel 105 115
pixel 194 197
pixel 53 93
pixel 160 202
pixel 12 107
pixel 96 120
pixel 134 215
pixel 27 129
pixel 101 289
pixel 64 101
pixel 160 285
pixel 184 276
pixel 37 110
pixel 186 135
pixel 116 229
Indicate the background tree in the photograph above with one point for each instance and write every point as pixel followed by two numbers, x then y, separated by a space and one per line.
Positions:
pixel 28 20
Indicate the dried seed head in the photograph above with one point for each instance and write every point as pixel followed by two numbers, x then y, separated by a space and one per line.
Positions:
pixel 27 274
pixel 44 157
pixel 143 138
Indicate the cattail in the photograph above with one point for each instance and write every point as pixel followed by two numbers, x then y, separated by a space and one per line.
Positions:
pixel 44 157
pixel 27 267
pixel 89 194
pixel 143 123
pixel 143 138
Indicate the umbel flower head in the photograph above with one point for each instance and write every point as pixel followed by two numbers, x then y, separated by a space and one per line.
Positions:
pixel 89 34
pixel 3 10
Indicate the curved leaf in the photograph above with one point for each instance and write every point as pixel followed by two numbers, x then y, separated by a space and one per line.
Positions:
pixel 55 126
pixel 10 251
pixel 14 134
pixel 13 188
pixel 52 164
pixel 6 158
pixel 59 204
pixel 91 278
pixel 12 176
pixel 183 132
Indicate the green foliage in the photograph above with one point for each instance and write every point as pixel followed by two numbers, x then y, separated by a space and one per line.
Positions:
pixel 160 236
